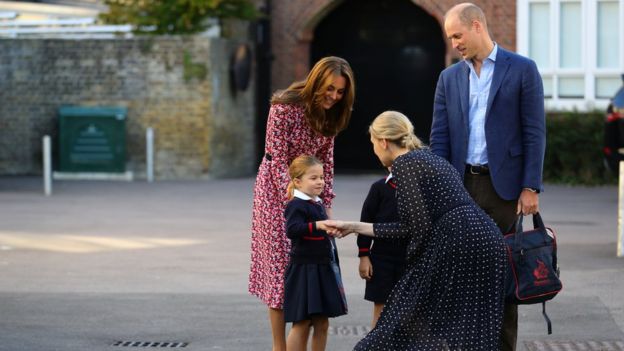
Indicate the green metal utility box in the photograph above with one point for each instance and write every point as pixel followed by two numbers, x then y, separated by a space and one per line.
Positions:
pixel 92 139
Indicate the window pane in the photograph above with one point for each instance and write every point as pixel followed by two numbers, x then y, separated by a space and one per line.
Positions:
pixel 548 87
pixel 608 34
pixel 539 34
pixel 607 87
pixel 571 87
pixel 570 35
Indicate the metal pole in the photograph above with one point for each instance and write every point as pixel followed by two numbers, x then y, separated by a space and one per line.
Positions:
pixel 47 166
pixel 620 245
pixel 149 154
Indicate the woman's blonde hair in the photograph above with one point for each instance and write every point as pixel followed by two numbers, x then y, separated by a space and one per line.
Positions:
pixel 311 92
pixel 298 167
pixel 396 128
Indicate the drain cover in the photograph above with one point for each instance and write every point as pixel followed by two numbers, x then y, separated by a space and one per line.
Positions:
pixel 150 344
pixel 569 345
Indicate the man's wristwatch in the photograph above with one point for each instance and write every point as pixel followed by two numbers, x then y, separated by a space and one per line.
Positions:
pixel 531 190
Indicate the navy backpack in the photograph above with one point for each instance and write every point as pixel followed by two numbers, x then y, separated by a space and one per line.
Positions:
pixel 533 273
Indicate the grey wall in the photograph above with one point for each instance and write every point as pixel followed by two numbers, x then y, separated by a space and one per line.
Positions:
pixel 179 86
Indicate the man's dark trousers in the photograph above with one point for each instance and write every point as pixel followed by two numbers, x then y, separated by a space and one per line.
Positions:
pixel 503 213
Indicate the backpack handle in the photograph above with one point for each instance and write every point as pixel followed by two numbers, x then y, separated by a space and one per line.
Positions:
pixel 538 223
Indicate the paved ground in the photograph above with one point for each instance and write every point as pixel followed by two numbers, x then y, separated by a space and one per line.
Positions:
pixel 105 262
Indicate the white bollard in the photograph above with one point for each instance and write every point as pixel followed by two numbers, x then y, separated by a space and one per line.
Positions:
pixel 47 165
pixel 620 244
pixel 149 154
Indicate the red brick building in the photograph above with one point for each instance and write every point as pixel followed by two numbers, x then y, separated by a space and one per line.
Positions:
pixel 397 49
pixel 293 23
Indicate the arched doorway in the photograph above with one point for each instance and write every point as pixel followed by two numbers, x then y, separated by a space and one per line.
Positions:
pixel 397 51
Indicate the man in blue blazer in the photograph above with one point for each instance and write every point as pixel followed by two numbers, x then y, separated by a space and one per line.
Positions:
pixel 489 122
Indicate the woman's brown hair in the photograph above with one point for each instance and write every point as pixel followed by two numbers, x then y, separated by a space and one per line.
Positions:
pixel 298 167
pixel 311 92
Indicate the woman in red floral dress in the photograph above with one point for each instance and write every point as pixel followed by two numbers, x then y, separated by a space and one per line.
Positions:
pixel 303 119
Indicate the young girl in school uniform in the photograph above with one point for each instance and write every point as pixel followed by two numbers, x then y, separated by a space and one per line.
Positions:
pixel 382 265
pixel 313 289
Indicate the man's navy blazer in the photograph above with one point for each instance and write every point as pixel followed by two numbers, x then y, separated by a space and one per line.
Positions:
pixel 515 129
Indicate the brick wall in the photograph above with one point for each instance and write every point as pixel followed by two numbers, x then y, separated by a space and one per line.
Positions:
pixel 293 23
pixel 177 85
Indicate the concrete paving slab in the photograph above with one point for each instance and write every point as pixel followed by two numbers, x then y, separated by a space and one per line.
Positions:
pixel 100 262
pixel 97 321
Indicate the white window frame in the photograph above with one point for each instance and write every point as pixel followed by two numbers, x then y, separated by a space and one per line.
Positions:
pixel 589 70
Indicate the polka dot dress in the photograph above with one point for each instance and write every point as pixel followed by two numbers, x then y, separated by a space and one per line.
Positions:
pixel 451 295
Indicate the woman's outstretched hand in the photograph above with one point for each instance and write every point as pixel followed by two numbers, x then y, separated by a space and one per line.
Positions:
pixel 338 229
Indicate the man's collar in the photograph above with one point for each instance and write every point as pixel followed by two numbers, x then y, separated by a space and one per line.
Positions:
pixel 303 196
pixel 491 56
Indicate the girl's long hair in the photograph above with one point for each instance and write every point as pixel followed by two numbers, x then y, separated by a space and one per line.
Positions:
pixel 298 167
pixel 310 93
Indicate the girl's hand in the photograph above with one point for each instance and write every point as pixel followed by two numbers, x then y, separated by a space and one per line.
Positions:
pixel 339 229
pixel 322 225
pixel 366 268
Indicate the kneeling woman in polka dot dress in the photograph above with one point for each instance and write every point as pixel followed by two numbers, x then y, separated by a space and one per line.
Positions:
pixel 451 295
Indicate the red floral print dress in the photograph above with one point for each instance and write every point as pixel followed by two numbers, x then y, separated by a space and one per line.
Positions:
pixel 288 135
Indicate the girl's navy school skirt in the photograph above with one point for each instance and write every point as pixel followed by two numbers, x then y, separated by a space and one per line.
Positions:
pixel 310 289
